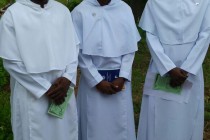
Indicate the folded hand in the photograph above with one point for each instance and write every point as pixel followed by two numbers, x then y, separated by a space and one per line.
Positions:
pixel 58 91
pixel 178 77
pixel 106 87
pixel 118 84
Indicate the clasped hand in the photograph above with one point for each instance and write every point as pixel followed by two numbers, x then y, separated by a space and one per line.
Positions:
pixel 58 90
pixel 111 87
pixel 178 77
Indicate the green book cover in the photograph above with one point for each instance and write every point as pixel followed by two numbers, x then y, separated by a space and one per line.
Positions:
pixel 59 110
pixel 163 83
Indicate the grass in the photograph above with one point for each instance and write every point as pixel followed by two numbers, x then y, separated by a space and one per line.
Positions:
pixel 5 125
pixel 3 3
pixel 206 67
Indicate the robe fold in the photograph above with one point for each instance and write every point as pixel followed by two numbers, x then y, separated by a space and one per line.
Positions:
pixel 181 40
pixel 39 45
pixel 108 37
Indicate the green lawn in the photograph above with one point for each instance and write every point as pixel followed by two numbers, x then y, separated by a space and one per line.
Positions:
pixel 3 3
pixel 5 127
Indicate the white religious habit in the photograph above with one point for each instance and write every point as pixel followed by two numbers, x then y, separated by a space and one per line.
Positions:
pixel 108 37
pixel 39 45
pixel 178 35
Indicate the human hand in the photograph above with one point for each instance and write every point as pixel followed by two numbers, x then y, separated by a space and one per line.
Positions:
pixel 106 87
pixel 178 77
pixel 58 91
pixel 118 83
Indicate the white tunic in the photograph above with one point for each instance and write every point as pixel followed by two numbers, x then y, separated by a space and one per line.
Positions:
pixel 38 46
pixel 28 31
pixel 30 120
pixel 104 46
pixel 105 117
pixel 165 117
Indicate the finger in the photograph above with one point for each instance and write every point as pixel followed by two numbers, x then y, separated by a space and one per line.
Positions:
pixel 183 75
pixel 182 79
pixel 55 94
pixel 184 72
pixel 59 102
pixel 101 90
pixel 178 83
pixel 54 90
pixel 111 91
pixel 63 82
pixel 172 84
pixel 104 90
pixel 175 83
pixel 114 86
pixel 57 82
pixel 60 96
pixel 117 90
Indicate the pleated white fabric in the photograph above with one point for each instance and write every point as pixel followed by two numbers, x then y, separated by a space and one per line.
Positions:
pixel 178 35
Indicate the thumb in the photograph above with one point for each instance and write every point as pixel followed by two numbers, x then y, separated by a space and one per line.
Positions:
pixel 114 86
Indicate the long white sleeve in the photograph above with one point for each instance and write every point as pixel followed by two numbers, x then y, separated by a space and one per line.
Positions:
pixel 71 72
pixel 90 72
pixel 126 66
pixel 85 62
pixel 32 82
pixel 194 60
pixel 162 61
pixel 71 69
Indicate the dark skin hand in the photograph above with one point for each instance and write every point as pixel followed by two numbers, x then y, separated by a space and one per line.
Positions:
pixel 40 2
pixel 111 88
pixel 119 83
pixel 178 77
pixel 106 87
pixel 58 91
pixel 104 2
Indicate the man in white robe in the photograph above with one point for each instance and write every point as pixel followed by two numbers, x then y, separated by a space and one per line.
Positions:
pixel 39 50
pixel 108 36
pixel 178 37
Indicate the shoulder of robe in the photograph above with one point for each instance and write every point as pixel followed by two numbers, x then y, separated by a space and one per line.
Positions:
pixel 77 13
pixel 126 9
pixel 13 8
pixel 7 16
pixel 81 7
pixel 123 5
pixel 60 6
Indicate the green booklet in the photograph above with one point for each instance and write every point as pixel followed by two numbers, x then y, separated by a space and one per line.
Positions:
pixel 163 83
pixel 59 110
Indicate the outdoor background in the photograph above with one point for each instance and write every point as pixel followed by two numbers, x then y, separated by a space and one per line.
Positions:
pixel 139 71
